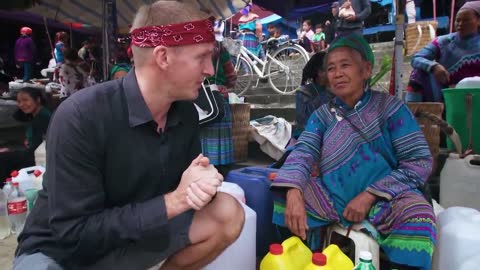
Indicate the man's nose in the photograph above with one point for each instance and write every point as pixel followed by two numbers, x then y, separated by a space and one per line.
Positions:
pixel 208 70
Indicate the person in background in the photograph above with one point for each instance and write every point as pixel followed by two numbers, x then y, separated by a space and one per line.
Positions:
pixel 61 43
pixel 126 185
pixel 216 138
pixel 84 52
pixel 362 159
pixel 351 15
pixel 447 59
pixel 306 36
pixel 32 112
pixel 25 50
pixel 74 74
pixel 122 65
pixel 250 31
pixel 312 93
pixel 319 39
pixel 329 33
pixel 219 28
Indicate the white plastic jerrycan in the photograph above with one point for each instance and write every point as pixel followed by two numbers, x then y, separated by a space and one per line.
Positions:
pixel 458 245
pixel 460 182
pixel 241 254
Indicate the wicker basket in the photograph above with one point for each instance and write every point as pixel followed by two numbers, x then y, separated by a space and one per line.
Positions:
pixel 430 129
pixel 418 35
pixel 240 130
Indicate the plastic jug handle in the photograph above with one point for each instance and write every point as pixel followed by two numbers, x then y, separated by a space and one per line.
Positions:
pixel 473 161
pixel 290 243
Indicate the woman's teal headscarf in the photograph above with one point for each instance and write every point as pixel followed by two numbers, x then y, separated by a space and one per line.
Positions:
pixel 356 42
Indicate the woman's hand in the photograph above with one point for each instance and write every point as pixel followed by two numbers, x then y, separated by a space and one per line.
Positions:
pixel 441 74
pixel 358 208
pixel 295 213
pixel 4 149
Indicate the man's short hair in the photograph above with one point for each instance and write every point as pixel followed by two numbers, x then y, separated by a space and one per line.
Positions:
pixel 308 22
pixel 162 13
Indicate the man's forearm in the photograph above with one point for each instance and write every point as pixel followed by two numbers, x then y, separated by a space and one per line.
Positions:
pixel 175 205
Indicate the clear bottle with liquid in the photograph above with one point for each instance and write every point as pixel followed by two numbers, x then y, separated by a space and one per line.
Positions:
pixel 7 188
pixel 365 261
pixel 4 222
pixel 17 208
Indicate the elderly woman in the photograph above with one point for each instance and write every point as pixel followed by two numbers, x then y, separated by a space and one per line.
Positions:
pixel 312 93
pixel 447 59
pixel 362 157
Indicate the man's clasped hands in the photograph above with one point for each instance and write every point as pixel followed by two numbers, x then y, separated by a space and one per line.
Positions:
pixel 199 183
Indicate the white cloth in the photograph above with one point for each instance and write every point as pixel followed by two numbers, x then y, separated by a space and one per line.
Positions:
pixel 411 11
pixel 272 133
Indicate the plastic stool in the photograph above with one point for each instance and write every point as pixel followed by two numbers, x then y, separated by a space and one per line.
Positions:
pixel 362 241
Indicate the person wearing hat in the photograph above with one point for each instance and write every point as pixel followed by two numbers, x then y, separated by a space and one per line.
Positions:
pixel 25 53
pixel 447 59
pixel 351 15
pixel 372 162
pixel 127 186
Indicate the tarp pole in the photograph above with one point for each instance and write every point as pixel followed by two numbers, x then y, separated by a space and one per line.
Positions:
pixel 398 50
pixel 452 14
pixel 434 10
pixel 48 37
pixel 105 40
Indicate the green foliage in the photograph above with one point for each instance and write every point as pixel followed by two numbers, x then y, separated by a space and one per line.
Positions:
pixel 385 67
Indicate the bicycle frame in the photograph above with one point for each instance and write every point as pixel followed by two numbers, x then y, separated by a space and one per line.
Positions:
pixel 248 55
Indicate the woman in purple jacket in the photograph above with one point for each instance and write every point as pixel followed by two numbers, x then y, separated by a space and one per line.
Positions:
pixel 25 52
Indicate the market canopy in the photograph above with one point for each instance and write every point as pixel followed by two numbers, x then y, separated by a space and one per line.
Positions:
pixel 91 11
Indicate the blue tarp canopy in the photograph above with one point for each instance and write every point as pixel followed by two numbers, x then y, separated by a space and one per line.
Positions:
pixel 295 9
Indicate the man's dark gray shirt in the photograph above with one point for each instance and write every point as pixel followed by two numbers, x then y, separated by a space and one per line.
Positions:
pixel 107 169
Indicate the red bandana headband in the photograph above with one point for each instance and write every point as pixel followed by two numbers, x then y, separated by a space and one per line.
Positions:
pixel 170 35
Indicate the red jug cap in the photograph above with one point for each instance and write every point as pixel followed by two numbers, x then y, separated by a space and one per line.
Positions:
pixel 319 259
pixel 14 174
pixel 37 173
pixel 276 249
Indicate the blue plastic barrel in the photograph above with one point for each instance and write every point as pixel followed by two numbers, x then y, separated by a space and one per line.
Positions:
pixel 256 185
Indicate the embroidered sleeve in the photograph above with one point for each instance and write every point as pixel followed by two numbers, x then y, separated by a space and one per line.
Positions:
pixel 297 168
pixel 413 155
pixel 426 58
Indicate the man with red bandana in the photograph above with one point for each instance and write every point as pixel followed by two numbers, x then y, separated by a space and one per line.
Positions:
pixel 126 186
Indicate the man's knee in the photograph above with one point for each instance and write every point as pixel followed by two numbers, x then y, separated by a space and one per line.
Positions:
pixel 228 215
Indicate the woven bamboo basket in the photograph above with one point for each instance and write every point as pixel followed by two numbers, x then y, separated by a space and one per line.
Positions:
pixel 240 130
pixel 418 35
pixel 430 129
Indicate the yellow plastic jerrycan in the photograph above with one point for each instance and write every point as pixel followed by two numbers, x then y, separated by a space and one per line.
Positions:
pixel 292 254
pixel 336 259
pixel 319 262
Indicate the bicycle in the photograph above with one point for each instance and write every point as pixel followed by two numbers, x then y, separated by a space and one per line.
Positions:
pixel 283 66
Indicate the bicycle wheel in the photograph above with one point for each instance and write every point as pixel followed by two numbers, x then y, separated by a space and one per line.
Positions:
pixel 284 71
pixel 244 76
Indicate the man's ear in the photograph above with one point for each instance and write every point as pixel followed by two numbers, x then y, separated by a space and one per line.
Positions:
pixel 160 54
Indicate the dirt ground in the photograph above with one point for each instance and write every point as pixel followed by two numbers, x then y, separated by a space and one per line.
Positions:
pixel 7 248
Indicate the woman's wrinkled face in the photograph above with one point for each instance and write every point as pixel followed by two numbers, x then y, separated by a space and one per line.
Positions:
pixel 467 23
pixel 26 103
pixel 347 73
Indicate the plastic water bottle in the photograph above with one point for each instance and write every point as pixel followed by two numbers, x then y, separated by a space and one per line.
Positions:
pixel 365 261
pixel 4 223
pixel 7 188
pixel 17 208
